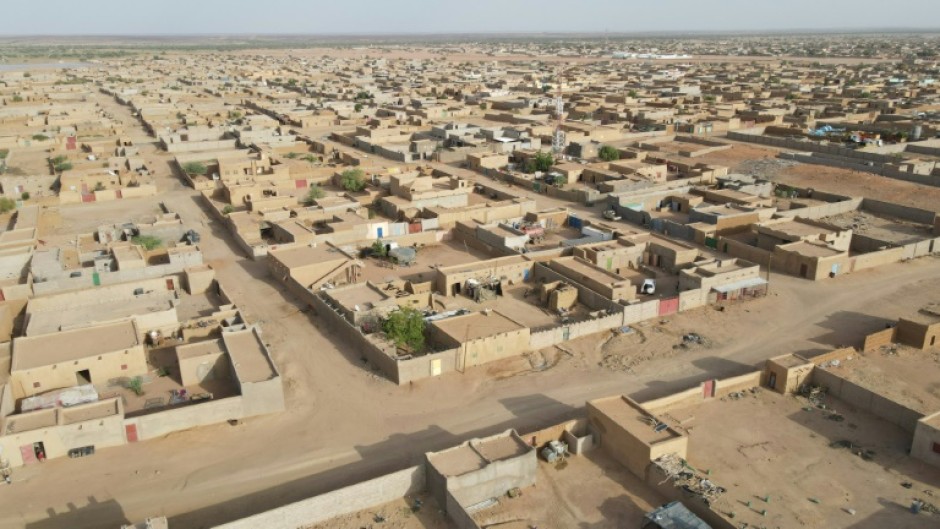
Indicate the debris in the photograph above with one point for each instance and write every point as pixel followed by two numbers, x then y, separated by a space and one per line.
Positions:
pixel 683 475
pixel 814 500
pixel 864 453
pixel 514 492
pixel 850 511
pixel 907 485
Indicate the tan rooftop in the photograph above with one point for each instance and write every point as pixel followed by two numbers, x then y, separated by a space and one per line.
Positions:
pixel 65 346
pixel 249 357
pixel 476 325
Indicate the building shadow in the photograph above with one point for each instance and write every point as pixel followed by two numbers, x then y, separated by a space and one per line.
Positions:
pixel 397 452
pixel 713 367
pixel 95 515
pixel 848 328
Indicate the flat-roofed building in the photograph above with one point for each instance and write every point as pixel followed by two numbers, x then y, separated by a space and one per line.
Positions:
pixel 89 355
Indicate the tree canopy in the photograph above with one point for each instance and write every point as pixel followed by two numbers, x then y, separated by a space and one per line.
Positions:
pixel 405 327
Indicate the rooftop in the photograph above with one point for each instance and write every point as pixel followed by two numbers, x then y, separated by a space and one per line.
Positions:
pixel 48 349
pixel 476 325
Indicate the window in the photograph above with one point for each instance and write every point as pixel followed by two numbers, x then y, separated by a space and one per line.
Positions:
pixel 936 448
pixel 36 385
pixel 123 367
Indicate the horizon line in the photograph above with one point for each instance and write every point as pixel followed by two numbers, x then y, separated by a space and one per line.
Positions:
pixel 471 33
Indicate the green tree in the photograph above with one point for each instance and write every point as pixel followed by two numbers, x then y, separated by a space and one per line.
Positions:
pixel 7 205
pixel 291 155
pixel 25 195
pixel 40 137
pixel 379 249
pixel 17 99
pixel 405 328
pixel 227 209
pixel 352 180
pixel 195 168
pixel 314 193
pixel 358 107
pixel 608 153
pixel 542 161
pixel 632 93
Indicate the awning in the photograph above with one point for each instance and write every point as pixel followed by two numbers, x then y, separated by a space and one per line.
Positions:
pixel 738 285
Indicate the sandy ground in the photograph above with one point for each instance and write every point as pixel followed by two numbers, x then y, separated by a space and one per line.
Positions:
pixel 559 499
pixel 344 424
pixel 774 453
pixel 901 373
pixel 419 511
pixel 831 179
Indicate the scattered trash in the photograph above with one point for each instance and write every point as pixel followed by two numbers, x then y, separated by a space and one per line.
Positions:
pixel 514 492
pixel 835 417
pixel 864 453
pixel 683 475
pixel 814 500
pixel 850 511
pixel 907 485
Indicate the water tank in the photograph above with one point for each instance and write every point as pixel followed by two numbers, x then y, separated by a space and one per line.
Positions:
pixel 916 133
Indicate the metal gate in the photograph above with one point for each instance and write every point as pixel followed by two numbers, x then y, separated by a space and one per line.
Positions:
pixel 668 306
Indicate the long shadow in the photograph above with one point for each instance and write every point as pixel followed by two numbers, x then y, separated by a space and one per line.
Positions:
pixel 848 328
pixel 713 367
pixel 895 515
pixel 395 453
pixel 92 516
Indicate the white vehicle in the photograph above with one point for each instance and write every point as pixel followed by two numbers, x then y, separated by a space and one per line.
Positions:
pixel 649 287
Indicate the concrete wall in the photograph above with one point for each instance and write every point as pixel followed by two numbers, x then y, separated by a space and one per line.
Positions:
pixel 493 480
pixel 867 400
pixel 155 425
pixel 878 339
pixel 324 507
pixel 926 439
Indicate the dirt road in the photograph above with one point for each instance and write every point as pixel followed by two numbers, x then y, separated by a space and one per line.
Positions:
pixel 345 424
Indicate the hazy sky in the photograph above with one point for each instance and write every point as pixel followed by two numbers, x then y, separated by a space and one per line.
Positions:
pixel 125 17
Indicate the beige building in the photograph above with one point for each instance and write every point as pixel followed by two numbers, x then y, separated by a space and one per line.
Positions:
pixel 91 355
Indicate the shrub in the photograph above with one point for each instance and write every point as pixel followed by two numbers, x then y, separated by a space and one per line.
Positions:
pixel 4 153
pixel 195 168
pixel 227 209
pixel 379 249
pixel 358 107
pixel 291 155
pixel 25 195
pixel 40 137
pixel 608 153
pixel 7 205
pixel 353 180
pixel 149 242
pixel 136 385
pixel 314 193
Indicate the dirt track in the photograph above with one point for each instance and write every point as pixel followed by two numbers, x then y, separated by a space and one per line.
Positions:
pixel 345 424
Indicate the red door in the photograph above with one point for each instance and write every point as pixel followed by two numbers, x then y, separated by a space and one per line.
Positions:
pixel 28 454
pixel 70 143
pixel 169 284
pixel 131 431
pixel 301 184
pixel 668 306
pixel 708 389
